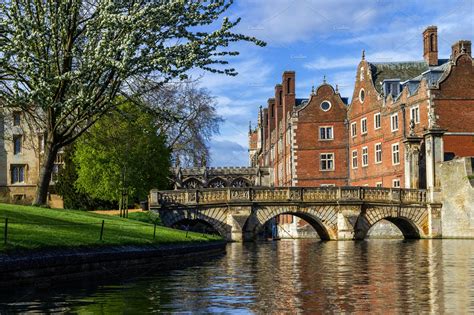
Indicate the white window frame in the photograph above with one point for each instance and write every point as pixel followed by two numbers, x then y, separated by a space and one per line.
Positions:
pixel 325 133
pixel 328 185
pixel 379 120
pixel 354 129
pixel 393 119
pixel 396 154
pixel 416 117
pixel 379 184
pixel 377 161
pixel 394 181
pixel 327 160
pixel 354 158
pixel 363 122
pixel 365 156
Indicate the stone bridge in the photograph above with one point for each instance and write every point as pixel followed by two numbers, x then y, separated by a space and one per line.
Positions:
pixel 336 213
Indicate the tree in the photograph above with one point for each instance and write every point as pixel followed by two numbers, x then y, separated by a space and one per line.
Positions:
pixel 64 62
pixel 122 150
pixel 187 115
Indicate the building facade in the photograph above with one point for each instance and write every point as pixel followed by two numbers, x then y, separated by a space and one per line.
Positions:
pixel 403 118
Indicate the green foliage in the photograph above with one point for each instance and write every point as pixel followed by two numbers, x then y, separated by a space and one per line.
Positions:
pixel 122 149
pixel 73 197
pixel 145 216
pixel 72 228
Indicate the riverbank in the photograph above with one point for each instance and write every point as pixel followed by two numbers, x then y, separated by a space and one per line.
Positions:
pixel 43 268
pixel 26 228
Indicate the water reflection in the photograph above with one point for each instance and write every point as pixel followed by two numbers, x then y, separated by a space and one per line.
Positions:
pixel 287 276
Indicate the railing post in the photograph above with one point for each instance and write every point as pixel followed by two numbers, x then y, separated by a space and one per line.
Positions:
pixel 339 192
pixel 102 230
pixel 5 240
pixel 197 195
pixel 228 194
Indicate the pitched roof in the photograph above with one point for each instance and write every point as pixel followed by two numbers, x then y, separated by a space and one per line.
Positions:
pixel 396 70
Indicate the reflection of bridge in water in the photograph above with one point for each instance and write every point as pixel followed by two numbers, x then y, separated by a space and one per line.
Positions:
pixel 336 213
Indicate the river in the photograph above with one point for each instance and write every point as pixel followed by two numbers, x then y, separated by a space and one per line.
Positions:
pixel 288 276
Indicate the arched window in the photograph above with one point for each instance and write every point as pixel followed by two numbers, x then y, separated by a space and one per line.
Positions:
pixel 432 42
pixel 288 86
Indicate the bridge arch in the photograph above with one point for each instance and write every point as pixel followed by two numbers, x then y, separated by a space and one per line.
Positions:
pixel 322 218
pixel 215 217
pixel 409 221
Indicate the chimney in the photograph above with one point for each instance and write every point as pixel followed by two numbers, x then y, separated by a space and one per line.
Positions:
pixel 460 47
pixel 430 45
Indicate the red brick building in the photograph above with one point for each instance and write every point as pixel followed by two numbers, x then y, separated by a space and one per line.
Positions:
pixel 403 118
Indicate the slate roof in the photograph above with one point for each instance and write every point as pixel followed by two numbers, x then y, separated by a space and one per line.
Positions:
pixel 404 71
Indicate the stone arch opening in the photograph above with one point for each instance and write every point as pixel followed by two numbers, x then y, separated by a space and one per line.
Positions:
pixel 217 182
pixel 408 229
pixel 240 182
pixel 254 227
pixel 192 183
pixel 196 225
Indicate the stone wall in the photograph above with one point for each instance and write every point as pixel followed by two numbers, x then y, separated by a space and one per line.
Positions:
pixel 457 213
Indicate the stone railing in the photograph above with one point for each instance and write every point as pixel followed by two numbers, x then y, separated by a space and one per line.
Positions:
pixel 288 194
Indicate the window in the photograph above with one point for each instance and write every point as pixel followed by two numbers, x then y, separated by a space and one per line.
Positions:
pixel 16 144
pixel 354 129
pixel 394 122
pixel 377 122
pixel 16 118
pixel 18 174
pixel 325 133
pixel 328 185
pixel 361 95
pixel 415 114
pixel 378 153
pixel 365 156
pixel 378 184
pixel 327 161
pixel 395 154
pixel 354 159
pixel 396 183
pixel 325 106
pixel 363 126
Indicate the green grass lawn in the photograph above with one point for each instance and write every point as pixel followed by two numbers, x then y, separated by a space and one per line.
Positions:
pixel 34 227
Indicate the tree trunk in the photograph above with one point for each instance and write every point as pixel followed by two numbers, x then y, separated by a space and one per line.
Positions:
pixel 46 169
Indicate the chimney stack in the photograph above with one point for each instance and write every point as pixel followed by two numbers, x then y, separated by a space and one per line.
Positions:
pixel 430 45
pixel 460 47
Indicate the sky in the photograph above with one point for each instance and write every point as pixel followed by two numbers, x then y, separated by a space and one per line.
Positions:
pixel 317 39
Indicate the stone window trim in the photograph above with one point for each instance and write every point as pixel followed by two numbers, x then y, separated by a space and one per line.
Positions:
pixel 363 126
pixel 18 173
pixel 396 183
pixel 354 129
pixel 415 114
pixel 326 133
pixel 325 105
pixel 326 163
pixel 377 121
pixel 365 156
pixel 395 153
pixel 378 153
pixel 361 96
pixel 394 122
pixel 354 162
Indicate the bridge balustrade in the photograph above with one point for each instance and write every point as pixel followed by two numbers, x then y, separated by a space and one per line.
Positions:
pixel 295 194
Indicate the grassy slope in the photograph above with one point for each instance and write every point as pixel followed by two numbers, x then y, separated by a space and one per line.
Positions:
pixel 32 227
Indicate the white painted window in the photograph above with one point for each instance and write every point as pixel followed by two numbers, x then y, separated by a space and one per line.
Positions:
pixel 363 126
pixel 396 183
pixel 378 153
pixel 354 129
pixel 415 114
pixel 326 133
pixel 394 122
pixel 395 154
pixel 378 184
pixel 377 121
pixel 354 159
pixel 365 156
pixel 327 161
pixel 328 185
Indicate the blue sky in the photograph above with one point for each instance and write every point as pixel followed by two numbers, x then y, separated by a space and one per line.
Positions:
pixel 317 38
